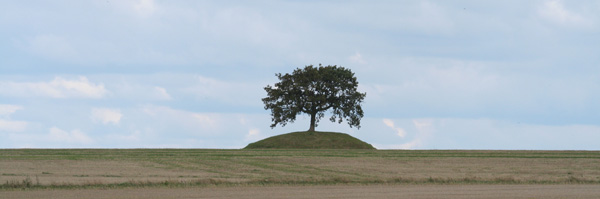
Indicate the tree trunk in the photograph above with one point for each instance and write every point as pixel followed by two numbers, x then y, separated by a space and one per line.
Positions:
pixel 312 122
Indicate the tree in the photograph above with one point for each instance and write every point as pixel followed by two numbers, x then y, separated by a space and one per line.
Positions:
pixel 314 90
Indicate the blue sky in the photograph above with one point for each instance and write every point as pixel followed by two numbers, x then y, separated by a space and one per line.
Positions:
pixel 190 74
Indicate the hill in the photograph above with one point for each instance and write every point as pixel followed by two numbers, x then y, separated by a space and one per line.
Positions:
pixel 310 140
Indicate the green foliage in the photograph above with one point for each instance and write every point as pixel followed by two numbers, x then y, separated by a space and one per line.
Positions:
pixel 311 140
pixel 314 90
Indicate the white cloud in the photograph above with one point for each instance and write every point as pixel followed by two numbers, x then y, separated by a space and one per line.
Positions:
pixel 12 126
pixel 425 130
pixel 243 121
pixel 182 118
pixel 238 128
pixel 9 125
pixel 133 137
pixel 52 46
pixel 7 109
pixel 253 135
pixel 501 134
pixel 204 119
pixel 357 58
pixel 415 16
pixel 144 87
pixel 79 88
pixel 423 125
pixel 399 131
pixel 243 25
pixel 145 8
pixel 555 11
pixel 161 93
pixel 388 123
pixel 57 88
pixel 106 116
pixel 73 137
pixel 236 93
pixel 483 133
pixel 431 18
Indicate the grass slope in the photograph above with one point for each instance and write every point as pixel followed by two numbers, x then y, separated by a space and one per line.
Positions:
pixel 310 140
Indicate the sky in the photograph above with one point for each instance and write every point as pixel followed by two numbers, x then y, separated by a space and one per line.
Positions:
pixel 190 74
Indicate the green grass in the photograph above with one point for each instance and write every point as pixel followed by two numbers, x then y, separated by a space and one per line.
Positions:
pixel 212 154
pixel 311 140
pixel 28 184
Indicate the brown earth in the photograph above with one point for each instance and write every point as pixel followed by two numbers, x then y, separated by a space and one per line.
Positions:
pixel 335 191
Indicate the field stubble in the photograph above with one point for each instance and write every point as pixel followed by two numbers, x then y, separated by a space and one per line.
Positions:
pixel 462 191
pixel 81 168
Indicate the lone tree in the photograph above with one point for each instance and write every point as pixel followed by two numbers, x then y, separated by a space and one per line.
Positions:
pixel 314 90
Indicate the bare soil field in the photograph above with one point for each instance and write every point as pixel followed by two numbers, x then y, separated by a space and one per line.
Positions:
pixel 337 191
pixel 197 173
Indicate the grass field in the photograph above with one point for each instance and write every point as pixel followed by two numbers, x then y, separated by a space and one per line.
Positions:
pixel 310 140
pixel 121 168
pixel 408 191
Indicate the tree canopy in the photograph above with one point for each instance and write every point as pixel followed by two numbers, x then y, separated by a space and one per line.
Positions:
pixel 314 90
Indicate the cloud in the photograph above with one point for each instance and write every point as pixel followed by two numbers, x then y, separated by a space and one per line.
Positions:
pixel 460 133
pixel 399 131
pixel 388 122
pixel 253 135
pixel 145 8
pixel 10 125
pixel 484 133
pixel 144 87
pixel 132 8
pixel 419 17
pixel 7 109
pixel 227 127
pixel 106 116
pixel 246 25
pixel 431 18
pixel 474 89
pixel 556 12
pixel 204 119
pixel 136 136
pixel 186 119
pixel 52 46
pixel 425 130
pixel 237 93
pixel 73 137
pixel 357 58
pixel 57 88
pixel 161 93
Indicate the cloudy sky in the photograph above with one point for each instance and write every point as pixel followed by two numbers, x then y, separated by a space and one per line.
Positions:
pixel 190 74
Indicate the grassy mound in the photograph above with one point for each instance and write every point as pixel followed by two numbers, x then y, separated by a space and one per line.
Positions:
pixel 311 140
